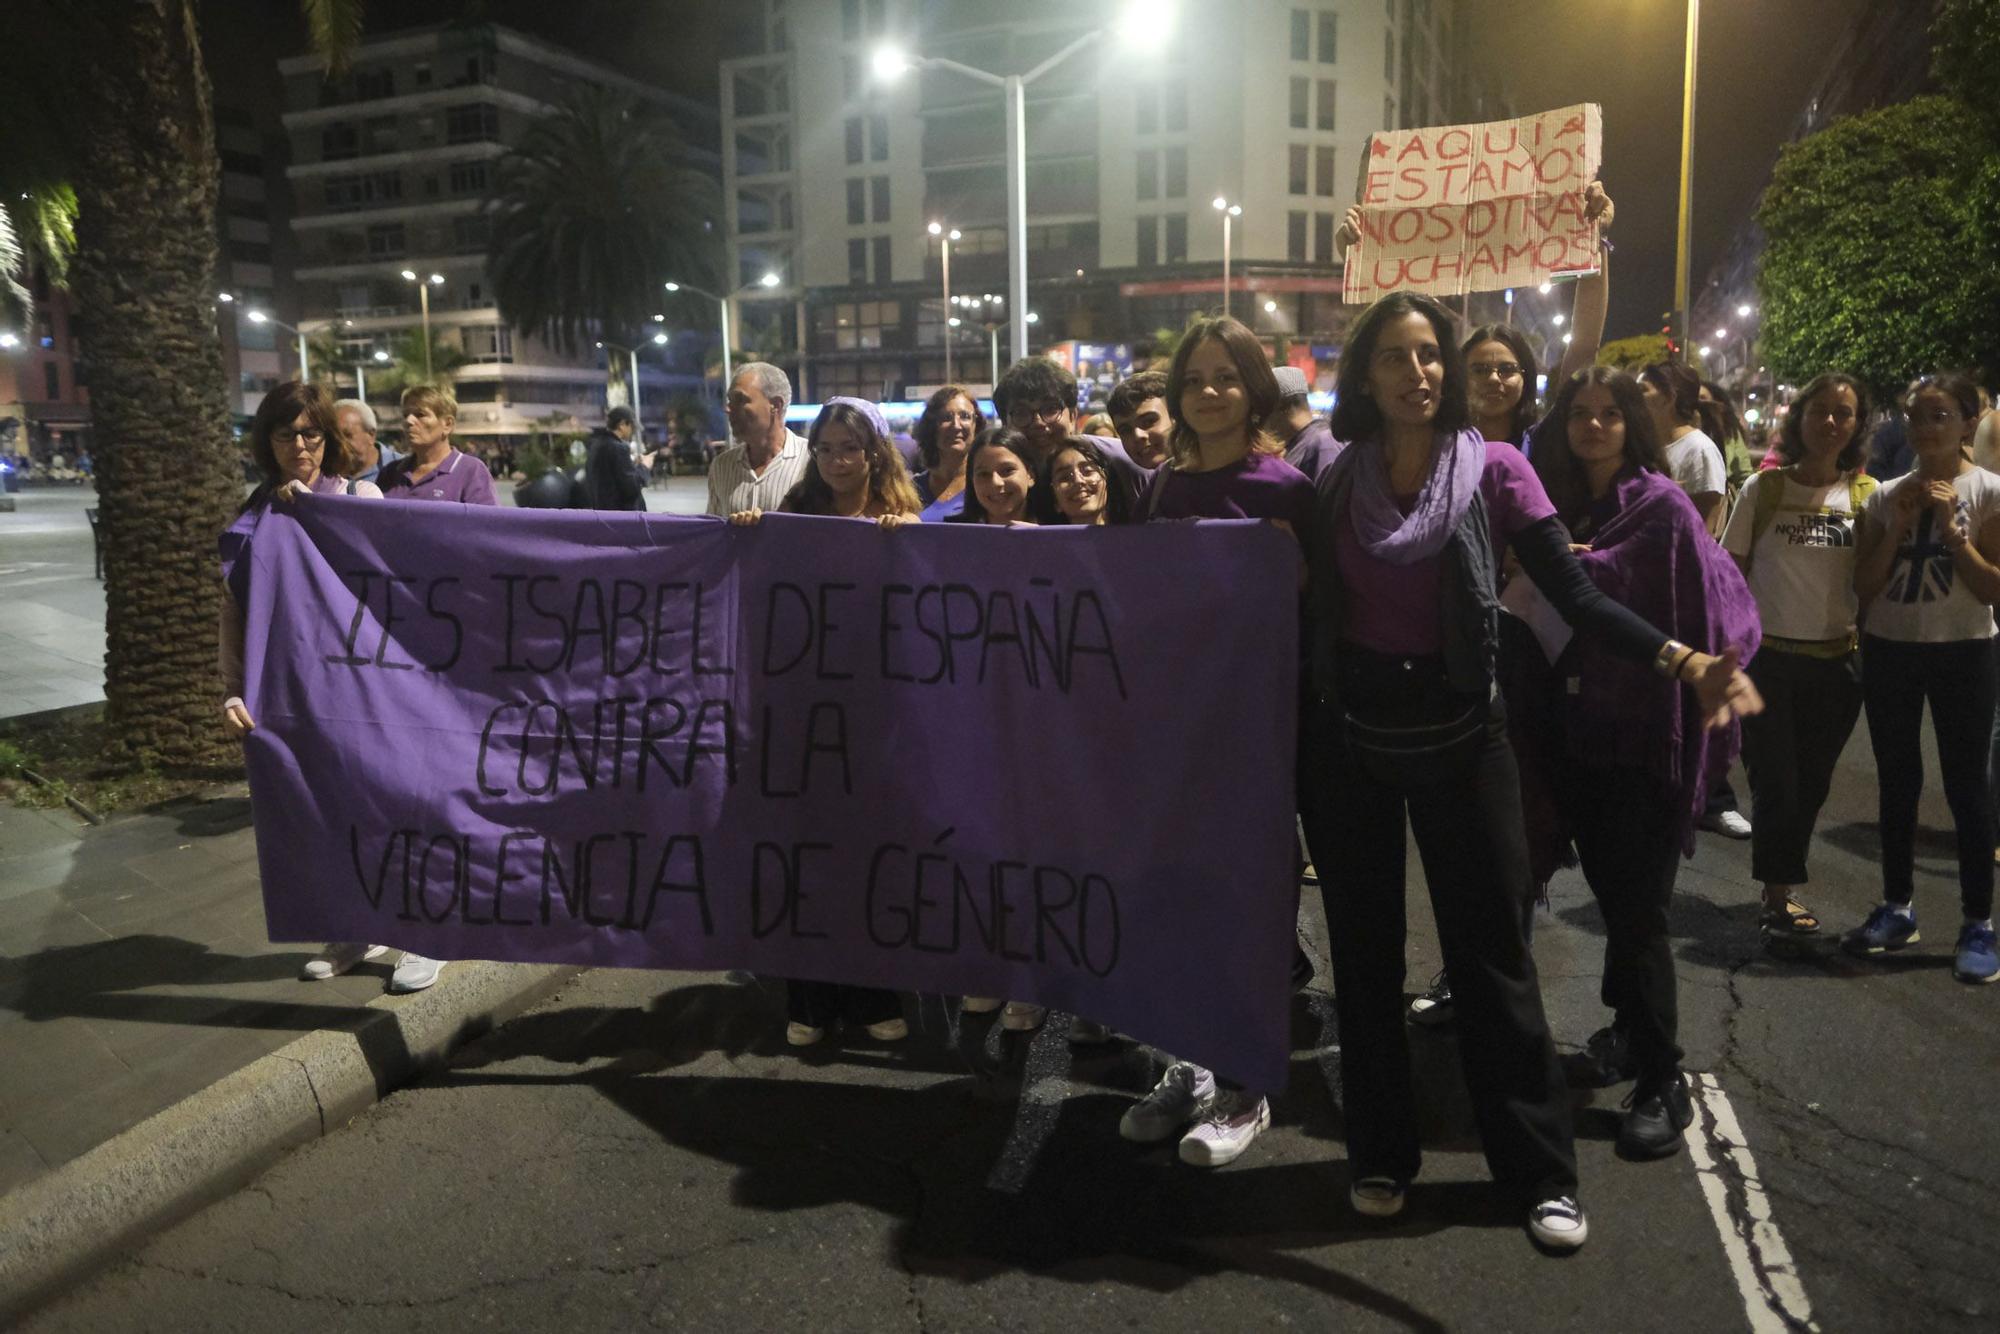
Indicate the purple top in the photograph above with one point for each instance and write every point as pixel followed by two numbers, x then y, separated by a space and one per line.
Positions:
pixel 1313 448
pixel 1258 486
pixel 460 477
pixel 1394 608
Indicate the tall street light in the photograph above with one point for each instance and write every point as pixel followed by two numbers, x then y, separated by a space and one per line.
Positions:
pixel 361 379
pixel 632 364
pixel 1687 179
pixel 945 238
pixel 259 317
pixel 1143 26
pixel 1228 212
pixel 769 280
pixel 424 296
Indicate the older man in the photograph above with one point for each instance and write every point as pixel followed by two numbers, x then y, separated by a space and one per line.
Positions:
pixel 358 428
pixel 768 459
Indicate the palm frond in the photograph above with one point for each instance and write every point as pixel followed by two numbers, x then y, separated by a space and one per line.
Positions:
pixel 335 29
pixel 15 303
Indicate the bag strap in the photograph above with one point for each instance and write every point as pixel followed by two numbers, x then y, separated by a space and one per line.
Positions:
pixel 1860 486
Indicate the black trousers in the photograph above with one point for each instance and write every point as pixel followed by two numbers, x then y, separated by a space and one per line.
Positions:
pixel 1628 844
pixel 1790 749
pixel 1466 814
pixel 819 1004
pixel 1956 679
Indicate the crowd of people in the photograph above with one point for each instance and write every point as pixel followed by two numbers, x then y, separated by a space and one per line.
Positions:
pixel 1522 643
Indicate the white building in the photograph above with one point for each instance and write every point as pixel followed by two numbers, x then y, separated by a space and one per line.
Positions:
pixel 831 175
pixel 390 163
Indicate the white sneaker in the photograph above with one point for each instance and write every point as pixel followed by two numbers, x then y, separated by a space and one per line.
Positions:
pixel 1558 1224
pixel 413 973
pixel 889 1030
pixel 980 1004
pixel 802 1035
pixel 337 958
pixel 1378 1197
pixel 1185 1093
pixel 1021 1017
pixel 1232 1124
pixel 1729 824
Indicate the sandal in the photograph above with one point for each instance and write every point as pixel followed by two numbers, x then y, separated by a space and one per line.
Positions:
pixel 1794 919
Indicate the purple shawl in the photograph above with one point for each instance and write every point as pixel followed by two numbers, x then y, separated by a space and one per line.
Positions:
pixel 1379 523
pixel 1653 555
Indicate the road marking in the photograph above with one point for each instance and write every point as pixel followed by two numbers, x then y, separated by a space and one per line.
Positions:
pixel 1773 1297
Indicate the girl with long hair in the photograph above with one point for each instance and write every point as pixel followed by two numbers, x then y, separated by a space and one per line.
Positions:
pixel 1003 482
pixel 1078 477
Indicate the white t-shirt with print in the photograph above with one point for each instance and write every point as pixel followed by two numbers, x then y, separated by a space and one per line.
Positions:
pixel 1925 602
pixel 1802 564
pixel 1695 461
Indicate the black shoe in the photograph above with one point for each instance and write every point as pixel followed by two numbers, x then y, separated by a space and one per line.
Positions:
pixel 1660 1109
pixel 1434 1008
pixel 1302 967
pixel 1605 1060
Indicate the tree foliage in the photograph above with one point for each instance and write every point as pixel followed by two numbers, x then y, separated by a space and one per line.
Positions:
pixel 1635 353
pixel 1877 261
pixel 1966 59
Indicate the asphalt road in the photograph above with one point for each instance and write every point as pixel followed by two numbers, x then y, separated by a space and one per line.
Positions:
pixel 645 1151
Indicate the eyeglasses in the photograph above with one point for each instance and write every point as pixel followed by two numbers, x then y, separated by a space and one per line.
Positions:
pixel 1021 413
pixel 1501 370
pixel 287 436
pixel 1077 475
pixel 838 453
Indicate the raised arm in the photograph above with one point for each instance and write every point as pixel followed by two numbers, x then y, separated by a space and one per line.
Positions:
pixel 1593 295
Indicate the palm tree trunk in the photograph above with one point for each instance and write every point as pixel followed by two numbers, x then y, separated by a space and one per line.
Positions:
pixel 144 283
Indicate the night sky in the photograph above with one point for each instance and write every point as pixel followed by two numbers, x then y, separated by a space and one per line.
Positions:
pixel 1758 63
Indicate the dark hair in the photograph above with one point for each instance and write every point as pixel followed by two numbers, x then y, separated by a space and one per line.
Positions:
pixel 620 416
pixel 1681 386
pixel 1562 477
pixel 1953 384
pixel 993 437
pixel 888 480
pixel 1791 432
pixel 1117 503
pixel 1355 415
pixel 1528 407
pixel 281 407
pixel 1134 390
pixel 1032 379
pixel 1719 417
pixel 926 429
pixel 1260 386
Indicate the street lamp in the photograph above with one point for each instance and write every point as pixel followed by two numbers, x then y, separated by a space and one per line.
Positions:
pixel 632 362
pixel 767 281
pixel 1142 25
pixel 1228 211
pixel 1743 311
pixel 424 297
pixel 945 237
pixel 259 317
pixel 8 341
pixel 1687 173
pixel 361 379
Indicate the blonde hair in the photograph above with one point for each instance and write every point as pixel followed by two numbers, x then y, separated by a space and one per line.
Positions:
pixel 435 397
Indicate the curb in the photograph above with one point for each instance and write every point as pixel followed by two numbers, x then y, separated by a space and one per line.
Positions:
pixel 68 1222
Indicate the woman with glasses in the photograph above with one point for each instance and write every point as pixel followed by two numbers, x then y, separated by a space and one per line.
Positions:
pixel 944 432
pixel 1927 574
pixel 1792 535
pixel 298 449
pixel 1078 477
pixel 855 473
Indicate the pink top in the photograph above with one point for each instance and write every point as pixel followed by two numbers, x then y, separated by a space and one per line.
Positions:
pixel 1394 608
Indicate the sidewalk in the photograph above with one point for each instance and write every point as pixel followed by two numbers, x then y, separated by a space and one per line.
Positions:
pixel 139 998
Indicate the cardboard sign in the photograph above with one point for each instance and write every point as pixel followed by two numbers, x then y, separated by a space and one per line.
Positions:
pixel 1474 208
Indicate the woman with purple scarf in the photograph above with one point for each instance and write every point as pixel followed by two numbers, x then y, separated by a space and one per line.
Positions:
pixel 1406 730
pixel 1626 761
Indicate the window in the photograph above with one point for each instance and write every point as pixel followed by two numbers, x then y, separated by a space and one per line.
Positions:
pixel 343 193
pixel 1295 237
pixel 878 138
pixel 1328 100
pixel 850 20
pixel 882 259
pixel 1329 39
pixel 1301 35
pixel 1299 155
pixel 1176 173
pixel 857 261
pixel 370 83
pixel 468 178
pixel 1149 175
pixel 878 198
pixel 1389 55
pixel 385 240
pixel 467 124
pixel 338 142
pixel 1323 238
pixel 1149 240
pixel 1146 119
pixel 850 78
pixel 423 76
pixel 487 343
pixel 853 140
pixel 385 134
pixel 470 231
pixel 1173 98
pixel 1323 161
pixel 51 380
pixel 857 202
pixel 1176 238
pixel 1300 92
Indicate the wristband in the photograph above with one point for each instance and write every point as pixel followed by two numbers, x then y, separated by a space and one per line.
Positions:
pixel 1667 662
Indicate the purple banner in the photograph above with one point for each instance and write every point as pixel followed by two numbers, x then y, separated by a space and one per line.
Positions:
pixel 1054 765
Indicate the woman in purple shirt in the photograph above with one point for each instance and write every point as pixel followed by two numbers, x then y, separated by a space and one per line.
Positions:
pixel 1406 730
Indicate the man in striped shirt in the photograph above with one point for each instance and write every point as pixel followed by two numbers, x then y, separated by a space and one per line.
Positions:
pixel 768 460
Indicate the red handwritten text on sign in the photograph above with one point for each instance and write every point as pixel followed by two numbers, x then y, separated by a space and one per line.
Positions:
pixel 1473 208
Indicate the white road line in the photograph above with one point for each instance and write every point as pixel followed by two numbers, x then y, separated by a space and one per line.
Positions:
pixel 1773 1297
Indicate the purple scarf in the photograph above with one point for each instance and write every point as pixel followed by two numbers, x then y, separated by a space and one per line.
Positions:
pixel 866 409
pixel 1380 525
pixel 1653 555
